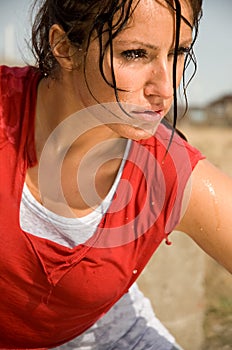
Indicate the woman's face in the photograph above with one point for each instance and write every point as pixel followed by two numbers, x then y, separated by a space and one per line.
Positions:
pixel 143 65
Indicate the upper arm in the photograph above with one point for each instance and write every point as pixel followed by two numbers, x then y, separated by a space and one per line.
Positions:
pixel 208 215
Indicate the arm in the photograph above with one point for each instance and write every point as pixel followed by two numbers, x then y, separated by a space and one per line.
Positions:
pixel 208 217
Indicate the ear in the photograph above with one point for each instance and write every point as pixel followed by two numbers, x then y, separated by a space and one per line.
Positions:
pixel 61 47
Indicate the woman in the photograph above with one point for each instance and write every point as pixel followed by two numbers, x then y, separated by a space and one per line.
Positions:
pixel 93 179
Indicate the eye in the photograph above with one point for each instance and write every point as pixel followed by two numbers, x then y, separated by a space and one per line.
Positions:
pixel 133 55
pixel 183 50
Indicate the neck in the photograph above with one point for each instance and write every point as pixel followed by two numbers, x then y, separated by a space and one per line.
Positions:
pixel 71 125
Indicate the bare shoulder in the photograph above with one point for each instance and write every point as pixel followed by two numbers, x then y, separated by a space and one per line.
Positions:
pixel 208 216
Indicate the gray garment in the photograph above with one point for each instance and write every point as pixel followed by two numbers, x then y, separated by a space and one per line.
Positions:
pixel 130 324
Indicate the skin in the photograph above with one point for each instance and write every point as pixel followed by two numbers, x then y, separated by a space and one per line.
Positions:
pixel 153 91
pixel 208 219
pixel 148 80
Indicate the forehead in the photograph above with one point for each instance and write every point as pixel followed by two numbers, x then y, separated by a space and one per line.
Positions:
pixel 155 8
pixel 155 20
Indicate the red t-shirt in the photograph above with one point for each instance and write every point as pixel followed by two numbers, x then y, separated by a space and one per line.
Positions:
pixel 51 293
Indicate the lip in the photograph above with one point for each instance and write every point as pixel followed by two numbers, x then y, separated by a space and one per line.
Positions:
pixel 147 115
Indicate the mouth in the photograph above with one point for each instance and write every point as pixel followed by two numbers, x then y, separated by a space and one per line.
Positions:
pixel 142 117
pixel 147 115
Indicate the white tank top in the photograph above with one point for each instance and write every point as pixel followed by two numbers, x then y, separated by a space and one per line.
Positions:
pixel 69 232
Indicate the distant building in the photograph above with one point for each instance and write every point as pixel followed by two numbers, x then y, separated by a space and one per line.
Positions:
pixel 197 115
pixel 220 111
pixel 217 112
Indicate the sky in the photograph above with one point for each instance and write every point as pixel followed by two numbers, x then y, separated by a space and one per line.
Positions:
pixel 213 48
pixel 214 53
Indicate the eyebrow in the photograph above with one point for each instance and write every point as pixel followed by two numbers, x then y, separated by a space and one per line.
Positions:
pixel 137 42
pixel 150 46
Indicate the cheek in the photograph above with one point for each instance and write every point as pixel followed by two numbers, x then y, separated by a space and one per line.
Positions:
pixel 130 79
pixel 95 83
pixel 180 71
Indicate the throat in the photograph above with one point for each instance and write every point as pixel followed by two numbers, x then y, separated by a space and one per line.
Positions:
pixel 82 185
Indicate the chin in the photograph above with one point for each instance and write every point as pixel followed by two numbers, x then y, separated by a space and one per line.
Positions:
pixel 134 133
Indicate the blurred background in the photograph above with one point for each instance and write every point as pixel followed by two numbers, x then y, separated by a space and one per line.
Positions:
pixel 190 292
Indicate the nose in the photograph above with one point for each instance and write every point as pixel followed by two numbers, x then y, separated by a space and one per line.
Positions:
pixel 159 80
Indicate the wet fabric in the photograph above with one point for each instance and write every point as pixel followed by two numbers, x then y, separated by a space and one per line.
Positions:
pixel 131 322
pixel 51 293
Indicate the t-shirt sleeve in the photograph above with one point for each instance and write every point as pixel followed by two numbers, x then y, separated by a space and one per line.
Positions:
pixel 179 159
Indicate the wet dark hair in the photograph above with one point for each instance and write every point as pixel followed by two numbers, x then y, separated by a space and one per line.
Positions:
pixel 83 19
